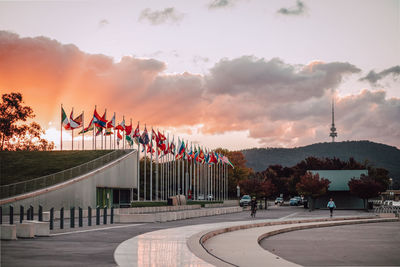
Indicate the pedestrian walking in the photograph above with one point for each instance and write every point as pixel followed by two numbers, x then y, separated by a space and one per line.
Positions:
pixel 253 205
pixel 331 205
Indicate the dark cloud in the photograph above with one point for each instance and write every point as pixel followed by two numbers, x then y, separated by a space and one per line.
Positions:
pixel 168 15
pixel 275 79
pixel 373 77
pixel 220 4
pixel 299 9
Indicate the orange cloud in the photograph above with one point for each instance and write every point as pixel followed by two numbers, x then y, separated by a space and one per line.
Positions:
pixel 277 103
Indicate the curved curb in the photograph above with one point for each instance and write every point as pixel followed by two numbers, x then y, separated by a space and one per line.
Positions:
pixel 196 243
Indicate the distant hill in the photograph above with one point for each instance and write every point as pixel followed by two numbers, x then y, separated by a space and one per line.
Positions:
pixel 379 155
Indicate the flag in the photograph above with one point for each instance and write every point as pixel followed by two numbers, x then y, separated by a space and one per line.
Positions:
pixel 128 129
pixel 64 119
pixel 227 161
pixel 213 159
pixel 181 150
pixel 111 123
pixel 99 121
pixel 144 138
pixel 99 131
pixel 119 137
pixel 129 139
pixel 150 148
pixel 136 134
pixel 75 123
pixel 87 129
pixel 121 126
pixel 108 132
pixel 172 147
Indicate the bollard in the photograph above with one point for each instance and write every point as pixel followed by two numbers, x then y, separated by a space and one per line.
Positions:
pixel 72 217
pixel 105 215
pixel 51 218
pixel 62 218
pixel 89 210
pixel 97 215
pixel 31 213
pixel 40 213
pixel 21 213
pixel 112 215
pixel 11 214
pixel 80 217
pixel 28 214
pixel 1 215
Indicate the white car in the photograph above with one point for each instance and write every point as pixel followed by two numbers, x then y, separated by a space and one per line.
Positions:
pixel 210 197
pixel 200 197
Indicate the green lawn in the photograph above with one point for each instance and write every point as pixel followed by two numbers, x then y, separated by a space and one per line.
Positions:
pixel 25 165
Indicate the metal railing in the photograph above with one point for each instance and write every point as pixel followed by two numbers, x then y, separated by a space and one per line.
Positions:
pixel 59 177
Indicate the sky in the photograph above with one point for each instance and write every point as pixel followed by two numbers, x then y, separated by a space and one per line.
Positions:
pixel 221 73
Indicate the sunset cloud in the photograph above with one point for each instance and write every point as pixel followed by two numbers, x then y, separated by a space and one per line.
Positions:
pixel 279 104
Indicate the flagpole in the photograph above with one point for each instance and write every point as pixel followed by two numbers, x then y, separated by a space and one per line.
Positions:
pixel 61 127
pixel 144 177
pixel 174 165
pixel 151 164
pixel 83 130
pixel 95 132
pixel 157 172
pixel 72 130
pixel 138 167
pixel 114 131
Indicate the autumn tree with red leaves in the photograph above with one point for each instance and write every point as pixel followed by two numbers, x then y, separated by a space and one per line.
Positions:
pixel 366 187
pixel 312 186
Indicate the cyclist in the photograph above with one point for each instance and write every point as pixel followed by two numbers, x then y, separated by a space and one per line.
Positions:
pixel 253 205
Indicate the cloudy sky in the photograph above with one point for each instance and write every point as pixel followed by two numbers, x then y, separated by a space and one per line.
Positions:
pixel 230 73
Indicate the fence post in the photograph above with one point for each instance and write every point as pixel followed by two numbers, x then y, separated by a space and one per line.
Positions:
pixel 97 215
pixel 11 214
pixel 89 210
pixel 31 213
pixel 21 213
pixel 112 215
pixel 62 218
pixel 80 217
pixel 1 215
pixel 51 218
pixel 105 215
pixel 40 213
pixel 72 217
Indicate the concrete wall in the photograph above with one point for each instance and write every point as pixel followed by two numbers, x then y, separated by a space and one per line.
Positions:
pixel 343 200
pixel 80 191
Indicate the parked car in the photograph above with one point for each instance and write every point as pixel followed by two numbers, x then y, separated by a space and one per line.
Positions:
pixel 295 201
pixel 200 197
pixel 245 200
pixel 210 197
pixel 279 200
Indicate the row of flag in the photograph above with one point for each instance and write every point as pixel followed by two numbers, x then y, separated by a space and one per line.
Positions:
pixel 108 127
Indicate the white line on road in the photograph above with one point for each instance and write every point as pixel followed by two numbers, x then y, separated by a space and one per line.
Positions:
pixel 288 216
pixel 97 229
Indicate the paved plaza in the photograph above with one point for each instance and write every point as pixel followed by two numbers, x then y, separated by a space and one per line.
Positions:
pixel 95 246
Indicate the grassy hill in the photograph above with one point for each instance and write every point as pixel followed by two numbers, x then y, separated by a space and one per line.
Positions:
pixel 379 155
pixel 25 165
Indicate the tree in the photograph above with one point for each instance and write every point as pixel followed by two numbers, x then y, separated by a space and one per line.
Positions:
pixel 366 187
pixel 239 173
pixel 16 136
pixel 312 186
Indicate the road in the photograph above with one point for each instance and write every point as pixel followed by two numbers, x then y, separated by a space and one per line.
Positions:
pixel 96 248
